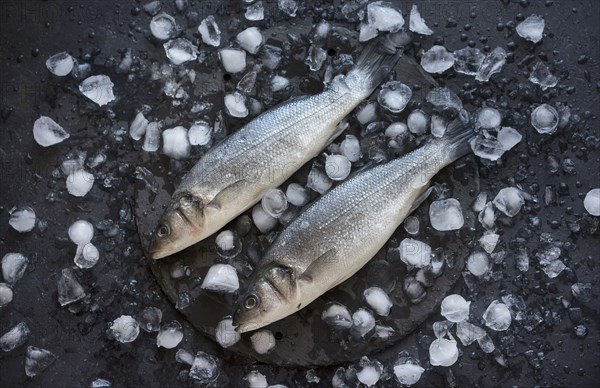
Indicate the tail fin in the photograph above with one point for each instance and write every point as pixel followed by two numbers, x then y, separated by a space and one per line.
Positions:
pixel 457 138
pixel 377 59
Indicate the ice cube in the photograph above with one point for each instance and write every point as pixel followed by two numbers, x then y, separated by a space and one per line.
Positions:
pixel 550 263
pixel 37 360
pixel 438 125
pixel 255 12
pixel 15 337
pixel 545 119
pixel 415 253
pixel 221 278
pixel 101 383
pixel 411 225
pixel 289 7
pixel 81 232
pixel 444 99
pixel 256 379
pixel 318 181
pixel 180 50
pixel 468 333
pixel 175 143
pixel 271 56
pixel 152 137
pixel 274 202
pixel 311 377
pixel 488 242
pixel 47 132
pixel 350 148
pixel 509 137
pixel 446 214
pixel 98 88
pixel 22 219
pixel 153 7
pixel 381 16
pixel 442 328
pixel 532 28
pixel 443 352
pixel 199 133
pixel 233 60
pixel 437 60
pixel 69 289
pixel 384 332
pixel 468 60
pixel 541 75
pixel 363 322
pixel 263 220
pixel 486 344
pixel 297 195
pixel 209 31
pixel 489 118
pixel 137 129
pixel 124 329
pixel 337 316
pixel 413 289
pixel 150 319
pixel 315 58
pixel 226 334
pixel 205 368
pixel 184 357
pixel 394 96
pixel 229 244
pixel 79 183
pixel 591 203
pixel 408 373
pixel 455 308
pixel 417 24
pixel 13 267
pixel 337 167
pixel 487 147
pixel 509 201
pixel 497 316
pixel 250 39
pixel 170 335
pixel 163 26
pixel 491 64
pixel 369 373
pixel 522 260
pixel 235 104
pixel 87 256
pixel 367 113
pixel 60 64
pixel 263 341
pixel 6 294
pixel 378 300
pixel 417 122
pixel 279 83
pixel 478 263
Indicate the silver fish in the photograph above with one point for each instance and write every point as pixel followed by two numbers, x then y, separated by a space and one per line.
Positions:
pixel 342 231
pixel 234 175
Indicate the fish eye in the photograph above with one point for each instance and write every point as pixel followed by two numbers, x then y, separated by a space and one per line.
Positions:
pixel 163 231
pixel 251 301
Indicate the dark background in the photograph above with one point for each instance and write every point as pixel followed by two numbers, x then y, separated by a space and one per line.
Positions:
pixel 121 283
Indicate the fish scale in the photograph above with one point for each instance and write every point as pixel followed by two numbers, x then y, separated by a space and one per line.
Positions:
pixel 234 175
pixel 340 232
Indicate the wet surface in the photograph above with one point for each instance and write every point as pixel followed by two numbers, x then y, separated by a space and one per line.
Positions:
pixel 544 349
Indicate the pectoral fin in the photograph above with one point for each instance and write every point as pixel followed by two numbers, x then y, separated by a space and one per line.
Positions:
pixel 324 264
pixel 229 194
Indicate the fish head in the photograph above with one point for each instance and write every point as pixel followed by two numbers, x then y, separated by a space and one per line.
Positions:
pixel 271 296
pixel 181 225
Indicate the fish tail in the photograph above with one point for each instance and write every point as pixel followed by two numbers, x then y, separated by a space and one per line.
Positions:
pixel 457 138
pixel 377 59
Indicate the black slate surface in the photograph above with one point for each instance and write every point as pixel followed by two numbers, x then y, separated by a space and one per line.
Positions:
pixel 122 283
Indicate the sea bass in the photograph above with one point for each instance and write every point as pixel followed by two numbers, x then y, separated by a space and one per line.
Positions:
pixel 234 175
pixel 338 234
